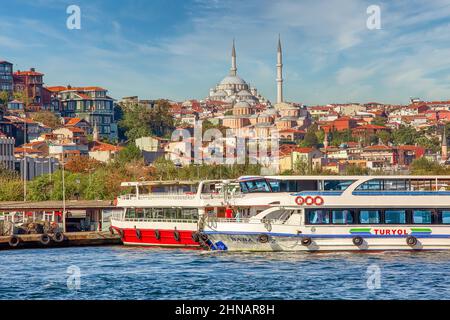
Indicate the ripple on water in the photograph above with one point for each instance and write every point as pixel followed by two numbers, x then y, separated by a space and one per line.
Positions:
pixel 148 273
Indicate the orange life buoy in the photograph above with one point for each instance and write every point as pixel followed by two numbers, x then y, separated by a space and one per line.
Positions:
pixel 299 200
pixel 309 201
pixel 318 201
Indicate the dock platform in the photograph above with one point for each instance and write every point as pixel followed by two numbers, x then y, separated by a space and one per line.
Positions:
pixel 71 239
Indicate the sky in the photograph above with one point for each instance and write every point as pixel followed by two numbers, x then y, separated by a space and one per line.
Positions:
pixel 178 49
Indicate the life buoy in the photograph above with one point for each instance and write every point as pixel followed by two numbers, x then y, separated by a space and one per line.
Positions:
pixel 318 201
pixel 157 234
pixel 14 241
pixel 306 241
pixel 44 239
pixel 195 237
pixel 411 240
pixel 358 241
pixel 58 236
pixel 309 200
pixel 138 234
pixel 176 235
pixel 263 238
pixel 300 201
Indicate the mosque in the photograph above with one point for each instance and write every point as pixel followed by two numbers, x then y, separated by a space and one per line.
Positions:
pixel 233 89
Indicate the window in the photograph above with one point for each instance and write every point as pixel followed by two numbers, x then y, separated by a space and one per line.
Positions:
pixel 131 213
pixel 371 185
pixel 445 214
pixel 258 186
pixel 369 217
pixel 318 217
pixel 396 185
pixel 395 216
pixel 337 184
pixel 342 216
pixel 422 216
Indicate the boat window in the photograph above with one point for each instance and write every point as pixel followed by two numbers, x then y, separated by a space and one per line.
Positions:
pixel 337 184
pixel 188 213
pixel 371 185
pixel 369 216
pixel 139 213
pixel 422 216
pixel 445 215
pixel 318 216
pixel 257 186
pixel 396 184
pixel 283 185
pixel 342 216
pixel 131 213
pixel 421 184
pixel 395 216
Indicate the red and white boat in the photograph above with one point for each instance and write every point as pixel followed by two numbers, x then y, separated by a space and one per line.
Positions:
pixel 171 213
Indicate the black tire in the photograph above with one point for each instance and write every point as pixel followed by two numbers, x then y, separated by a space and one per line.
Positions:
pixel 120 233
pixel 138 234
pixel 358 241
pixel 411 241
pixel 58 237
pixel 306 241
pixel 14 241
pixel 195 237
pixel 263 238
pixel 44 239
pixel 157 235
pixel 176 235
pixel 204 237
pixel 111 230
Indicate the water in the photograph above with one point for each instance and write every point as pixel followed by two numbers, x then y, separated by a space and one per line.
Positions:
pixel 144 273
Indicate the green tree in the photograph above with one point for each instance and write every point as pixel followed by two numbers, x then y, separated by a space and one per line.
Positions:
pixel 136 122
pixel 161 120
pixel 423 166
pixel 379 121
pixel 4 98
pixel 128 154
pixel 310 139
pixel 47 118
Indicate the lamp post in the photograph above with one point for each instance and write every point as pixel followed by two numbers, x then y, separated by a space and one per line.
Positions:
pixel 63 193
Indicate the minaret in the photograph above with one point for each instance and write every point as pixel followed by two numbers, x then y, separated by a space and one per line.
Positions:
pixel 444 148
pixel 279 73
pixel 233 69
pixel 95 133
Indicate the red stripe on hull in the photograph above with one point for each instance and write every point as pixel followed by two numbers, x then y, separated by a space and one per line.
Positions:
pixel 166 239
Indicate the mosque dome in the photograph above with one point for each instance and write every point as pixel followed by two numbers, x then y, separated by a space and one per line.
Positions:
pixel 242 104
pixel 232 80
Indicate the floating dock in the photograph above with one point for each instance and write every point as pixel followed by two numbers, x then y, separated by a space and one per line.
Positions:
pixel 82 223
pixel 70 239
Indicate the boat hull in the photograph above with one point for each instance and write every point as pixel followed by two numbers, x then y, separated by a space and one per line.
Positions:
pixel 174 235
pixel 252 243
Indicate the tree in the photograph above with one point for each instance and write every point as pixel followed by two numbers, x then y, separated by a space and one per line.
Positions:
pixel 82 165
pixel 384 136
pixel 310 139
pixel 161 120
pixel 379 121
pixel 136 122
pixel 423 166
pixel 405 136
pixel 355 170
pixel 128 154
pixel 4 98
pixel 47 118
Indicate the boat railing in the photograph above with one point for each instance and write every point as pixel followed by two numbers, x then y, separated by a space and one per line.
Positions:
pixel 248 220
pixel 157 220
pixel 168 196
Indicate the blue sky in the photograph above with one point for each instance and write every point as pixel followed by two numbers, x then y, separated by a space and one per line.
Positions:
pixel 179 49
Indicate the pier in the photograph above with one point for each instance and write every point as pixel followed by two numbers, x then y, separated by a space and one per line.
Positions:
pixel 46 224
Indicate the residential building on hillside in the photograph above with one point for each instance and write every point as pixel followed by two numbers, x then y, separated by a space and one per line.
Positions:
pixel 31 84
pixel 91 104
pixel 6 77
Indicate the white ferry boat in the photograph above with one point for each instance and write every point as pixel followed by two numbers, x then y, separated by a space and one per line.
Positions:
pixel 328 213
pixel 171 212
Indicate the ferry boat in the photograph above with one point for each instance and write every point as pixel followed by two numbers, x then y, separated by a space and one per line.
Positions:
pixel 331 213
pixel 171 212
